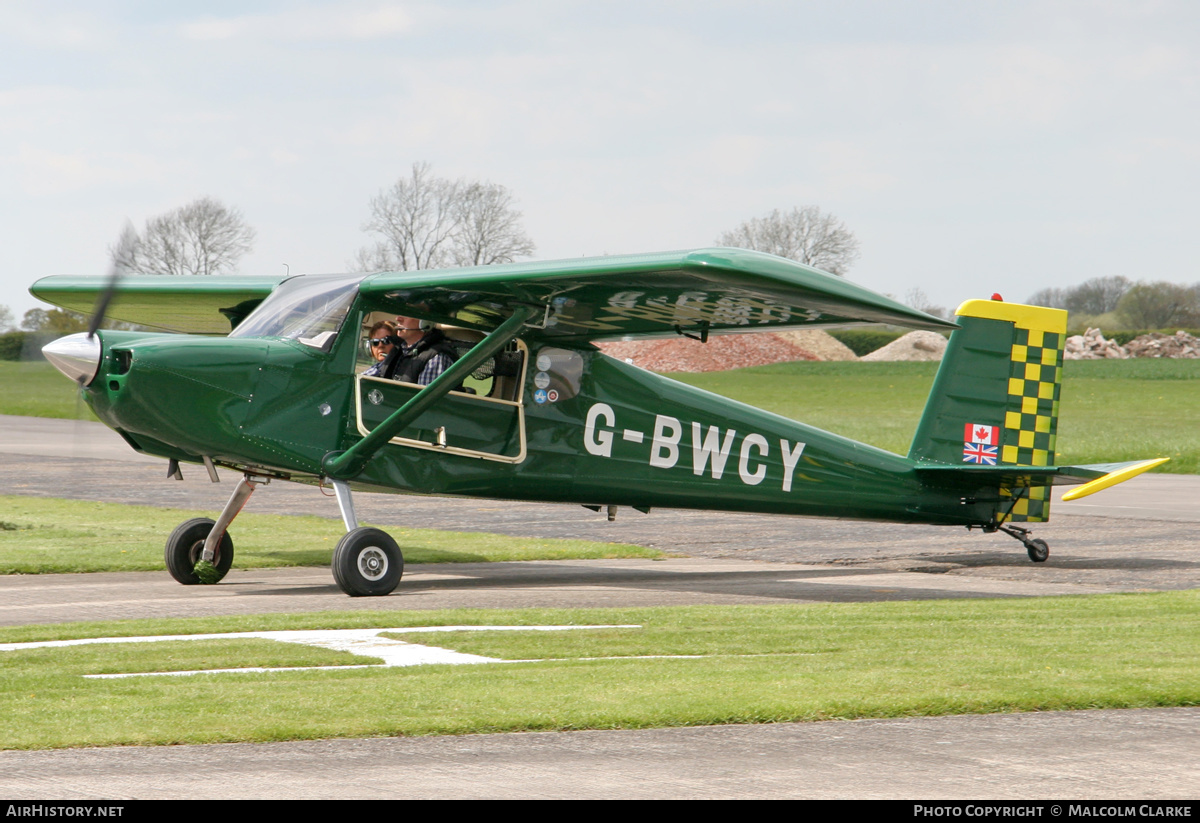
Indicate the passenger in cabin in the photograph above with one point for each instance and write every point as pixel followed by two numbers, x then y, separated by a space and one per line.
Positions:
pixel 383 340
pixel 423 354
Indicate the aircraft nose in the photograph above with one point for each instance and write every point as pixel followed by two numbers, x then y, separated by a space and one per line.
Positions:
pixel 76 355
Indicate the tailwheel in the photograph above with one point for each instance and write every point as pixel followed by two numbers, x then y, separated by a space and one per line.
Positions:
pixel 1038 550
pixel 367 563
pixel 185 547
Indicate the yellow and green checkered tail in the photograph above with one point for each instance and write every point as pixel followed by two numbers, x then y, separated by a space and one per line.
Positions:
pixel 995 399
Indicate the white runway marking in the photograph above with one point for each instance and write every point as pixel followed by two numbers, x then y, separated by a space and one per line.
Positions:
pixel 362 642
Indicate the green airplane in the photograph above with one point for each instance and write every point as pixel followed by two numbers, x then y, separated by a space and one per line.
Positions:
pixel 264 375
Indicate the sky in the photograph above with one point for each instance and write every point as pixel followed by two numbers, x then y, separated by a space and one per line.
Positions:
pixel 972 147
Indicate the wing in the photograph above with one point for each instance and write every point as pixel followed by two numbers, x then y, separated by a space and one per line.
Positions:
pixel 200 305
pixel 717 290
pixel 709 290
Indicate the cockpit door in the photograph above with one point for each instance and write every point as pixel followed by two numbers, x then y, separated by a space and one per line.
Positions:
pixel 490 428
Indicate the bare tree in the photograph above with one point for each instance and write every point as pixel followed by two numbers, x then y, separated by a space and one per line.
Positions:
pixel 428 222
pixel 124 254
pixel 378 257
pixel 489 229
pixel 203 237
pixel 1099 295
pixel 1049 297
pixel 415 218
pixel 805 234
pixel 918 300
pixel 6 319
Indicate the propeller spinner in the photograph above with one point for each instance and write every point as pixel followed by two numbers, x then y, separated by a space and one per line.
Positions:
pixel 76 355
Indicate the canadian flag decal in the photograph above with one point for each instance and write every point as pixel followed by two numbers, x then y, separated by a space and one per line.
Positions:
pixel 975 433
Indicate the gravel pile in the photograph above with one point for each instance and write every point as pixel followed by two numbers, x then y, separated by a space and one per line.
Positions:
pixel 916 345
pixel 721 352
pixel 1093 345
pixel 821 343
pixel 1180 344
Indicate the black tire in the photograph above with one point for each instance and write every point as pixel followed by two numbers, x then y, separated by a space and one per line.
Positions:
pixel 186 545
pixel 367 563
pixel 1038 550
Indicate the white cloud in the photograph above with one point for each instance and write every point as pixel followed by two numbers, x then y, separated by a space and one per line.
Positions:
pixel 305 24
pixel 44 28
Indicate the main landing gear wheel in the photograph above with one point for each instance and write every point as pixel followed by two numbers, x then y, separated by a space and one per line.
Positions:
pixel 185 547
pixel 367 563
pixel 1038 550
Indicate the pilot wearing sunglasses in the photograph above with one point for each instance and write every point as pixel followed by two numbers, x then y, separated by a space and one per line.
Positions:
pixel 381 339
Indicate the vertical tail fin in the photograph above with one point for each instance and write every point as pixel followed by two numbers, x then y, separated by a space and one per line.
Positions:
pixel 995 398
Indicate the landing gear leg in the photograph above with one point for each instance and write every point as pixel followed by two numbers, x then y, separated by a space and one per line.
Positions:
pixel 345 504
pixel 237 500
pixel 1038 550
pixel 201 551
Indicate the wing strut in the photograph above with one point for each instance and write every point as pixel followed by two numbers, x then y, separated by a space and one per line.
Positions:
pixel 345 465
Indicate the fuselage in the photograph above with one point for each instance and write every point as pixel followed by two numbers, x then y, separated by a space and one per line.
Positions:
pixel 581 427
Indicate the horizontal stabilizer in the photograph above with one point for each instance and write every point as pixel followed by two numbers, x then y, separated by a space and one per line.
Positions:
pixel 1022 491
pixel 940 474
pixel 1116 473
pixel 1094 477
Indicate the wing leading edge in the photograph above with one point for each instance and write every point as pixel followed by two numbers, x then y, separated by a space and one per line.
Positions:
pixel 194 304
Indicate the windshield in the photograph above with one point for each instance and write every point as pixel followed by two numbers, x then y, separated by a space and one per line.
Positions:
pixel 308 309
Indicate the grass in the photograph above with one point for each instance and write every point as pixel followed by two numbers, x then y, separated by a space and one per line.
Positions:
pixel 40 535
pixel 754 664
pixel 190 655
pixel 1111 410
pixel 37 389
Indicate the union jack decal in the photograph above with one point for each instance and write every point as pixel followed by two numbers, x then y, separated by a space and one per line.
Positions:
pixel 980 453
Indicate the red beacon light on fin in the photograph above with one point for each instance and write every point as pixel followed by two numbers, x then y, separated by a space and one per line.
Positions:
pixel 996 296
